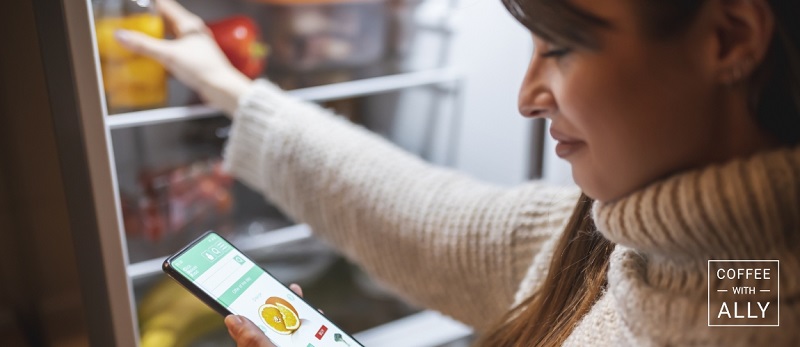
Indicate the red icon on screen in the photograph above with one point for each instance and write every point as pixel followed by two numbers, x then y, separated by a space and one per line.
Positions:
pixel 321 332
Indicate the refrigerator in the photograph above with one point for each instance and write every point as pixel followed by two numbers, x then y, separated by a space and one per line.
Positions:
pixel 93 199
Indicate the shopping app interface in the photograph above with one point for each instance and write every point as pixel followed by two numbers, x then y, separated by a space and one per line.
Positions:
pixel 245 289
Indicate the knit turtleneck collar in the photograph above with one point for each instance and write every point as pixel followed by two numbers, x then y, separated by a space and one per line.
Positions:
pixel 747 208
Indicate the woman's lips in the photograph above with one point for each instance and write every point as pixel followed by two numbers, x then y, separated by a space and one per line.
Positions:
pixel 567 145
pixel 565 149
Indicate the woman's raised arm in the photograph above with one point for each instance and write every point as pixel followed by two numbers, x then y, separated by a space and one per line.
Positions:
pixel 436 237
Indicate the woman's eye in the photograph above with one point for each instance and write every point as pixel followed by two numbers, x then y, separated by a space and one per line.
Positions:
pixel 556 52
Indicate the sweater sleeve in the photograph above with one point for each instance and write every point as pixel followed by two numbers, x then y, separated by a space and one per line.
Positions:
pixel 433 236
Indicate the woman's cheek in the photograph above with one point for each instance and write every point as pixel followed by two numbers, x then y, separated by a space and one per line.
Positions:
pixel 583 103
pixel 593 106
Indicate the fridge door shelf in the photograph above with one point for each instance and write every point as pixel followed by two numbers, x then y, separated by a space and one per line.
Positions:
pixel 335 91
pixel 246 243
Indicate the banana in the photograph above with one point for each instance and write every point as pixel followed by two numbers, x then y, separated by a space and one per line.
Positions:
pixel 179 321
pixel 159 297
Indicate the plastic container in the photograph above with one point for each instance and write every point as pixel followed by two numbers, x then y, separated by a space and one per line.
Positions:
pixel 130 81
pixel 310 35
pixel 180 199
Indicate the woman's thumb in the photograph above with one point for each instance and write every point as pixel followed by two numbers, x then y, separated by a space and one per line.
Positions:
pixel 245 333
pixel 137 42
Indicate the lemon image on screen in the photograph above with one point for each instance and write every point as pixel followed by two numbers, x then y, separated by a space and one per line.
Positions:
pixel 280 315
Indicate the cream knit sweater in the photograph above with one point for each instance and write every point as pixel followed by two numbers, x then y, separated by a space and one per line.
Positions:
pixel 472 250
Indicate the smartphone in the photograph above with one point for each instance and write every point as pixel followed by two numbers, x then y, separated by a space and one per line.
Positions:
pixel 231 283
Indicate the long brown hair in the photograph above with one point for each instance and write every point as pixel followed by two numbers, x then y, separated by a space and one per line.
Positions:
pixel 577 275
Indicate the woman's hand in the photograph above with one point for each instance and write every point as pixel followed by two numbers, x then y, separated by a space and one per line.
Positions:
pixel 247 334
pixel 192 57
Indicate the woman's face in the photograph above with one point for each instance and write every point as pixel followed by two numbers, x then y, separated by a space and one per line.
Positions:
pixel 635 110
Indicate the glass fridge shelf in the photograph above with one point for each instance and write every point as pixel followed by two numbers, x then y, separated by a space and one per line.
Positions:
pixel 246 243
pixel 334 91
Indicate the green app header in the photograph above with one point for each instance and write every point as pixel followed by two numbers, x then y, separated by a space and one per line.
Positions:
pixel 202 256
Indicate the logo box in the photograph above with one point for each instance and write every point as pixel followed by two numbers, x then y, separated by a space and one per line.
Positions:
pixel 743 293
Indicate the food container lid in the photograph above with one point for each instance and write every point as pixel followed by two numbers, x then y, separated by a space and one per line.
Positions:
pixel 313 2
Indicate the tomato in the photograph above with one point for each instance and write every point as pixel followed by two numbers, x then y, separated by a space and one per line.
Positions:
pixel 238 37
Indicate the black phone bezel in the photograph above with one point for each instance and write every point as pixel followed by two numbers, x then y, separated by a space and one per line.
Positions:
pixel 187 283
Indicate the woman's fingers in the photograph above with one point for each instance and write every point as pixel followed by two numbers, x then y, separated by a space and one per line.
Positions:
pixel 179 19
pixel 145 45
pixel 245 333
pixel 299 291
pixel 172 54
pixel 296 289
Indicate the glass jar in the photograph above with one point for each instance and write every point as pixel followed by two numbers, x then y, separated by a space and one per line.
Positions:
pixel 131 81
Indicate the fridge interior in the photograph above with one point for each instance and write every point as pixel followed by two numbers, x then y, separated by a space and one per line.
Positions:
pixel 349 56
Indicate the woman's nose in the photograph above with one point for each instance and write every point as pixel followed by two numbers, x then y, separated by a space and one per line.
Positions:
pixel 537 104
pixel 536 99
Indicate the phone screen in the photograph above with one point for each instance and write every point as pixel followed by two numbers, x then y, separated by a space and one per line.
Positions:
pixel 223 273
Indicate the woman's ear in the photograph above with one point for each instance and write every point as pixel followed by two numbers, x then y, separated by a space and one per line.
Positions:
pixel 743 30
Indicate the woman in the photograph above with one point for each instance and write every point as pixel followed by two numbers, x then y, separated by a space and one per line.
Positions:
pixel 680 118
